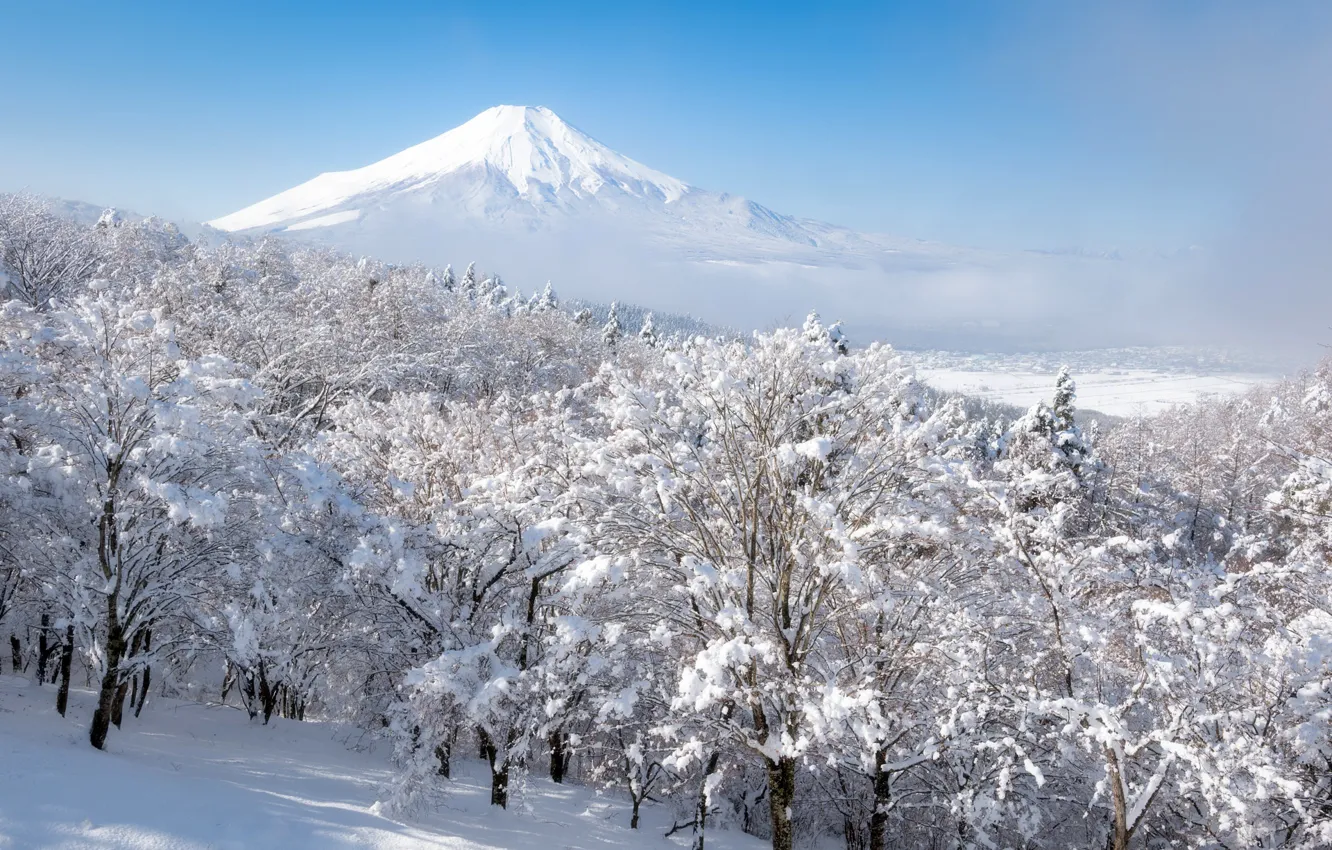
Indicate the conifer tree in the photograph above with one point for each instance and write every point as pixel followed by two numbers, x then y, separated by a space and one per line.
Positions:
pixel 547 300
pixel 648 333
pixel 611 331
pixel 468 284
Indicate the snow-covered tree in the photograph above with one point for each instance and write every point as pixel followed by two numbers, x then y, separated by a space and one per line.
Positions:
pixel 42 256
pixel 648 333
pixel 611 331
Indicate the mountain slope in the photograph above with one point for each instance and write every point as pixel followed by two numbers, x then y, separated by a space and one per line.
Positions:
pixel 524 193
pixel 524 166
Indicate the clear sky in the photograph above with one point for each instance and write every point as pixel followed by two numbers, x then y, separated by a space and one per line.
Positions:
pixel 1046 125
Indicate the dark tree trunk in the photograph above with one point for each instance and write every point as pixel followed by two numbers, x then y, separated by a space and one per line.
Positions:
pixel 118 704
pixel 444 752
pixel 633 819
pixel 106 695
pixel 44 649
pixel 143 690
pixel 66 667
pixel 16 653
pixel 499 785
pixel 883 799
pixel 248 694
pixel 559 755
pixel 267 694
pixel 781 796
pixel 141 693
pixel 499 768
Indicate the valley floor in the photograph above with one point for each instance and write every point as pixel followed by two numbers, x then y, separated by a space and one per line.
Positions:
pixel 1128 392
pixel 187 776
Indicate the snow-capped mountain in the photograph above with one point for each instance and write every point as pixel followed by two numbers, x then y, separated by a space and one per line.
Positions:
pixel 518 165
pixel 525 193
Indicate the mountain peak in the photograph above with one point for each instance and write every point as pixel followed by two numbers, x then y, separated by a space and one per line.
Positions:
pixel 530 149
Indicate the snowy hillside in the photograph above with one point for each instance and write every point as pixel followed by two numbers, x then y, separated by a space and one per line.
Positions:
pixel 188 776
pixel 518 189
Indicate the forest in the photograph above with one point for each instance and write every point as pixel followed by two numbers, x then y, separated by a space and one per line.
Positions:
pixel 773 582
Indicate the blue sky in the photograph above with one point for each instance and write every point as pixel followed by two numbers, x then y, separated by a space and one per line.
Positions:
pixel 986 123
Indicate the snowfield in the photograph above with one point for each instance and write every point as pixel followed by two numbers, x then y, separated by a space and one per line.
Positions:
pixel 187 776
pixel 1113 381
pixel 1117 393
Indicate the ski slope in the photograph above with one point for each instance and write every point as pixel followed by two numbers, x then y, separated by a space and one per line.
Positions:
pixel 187 776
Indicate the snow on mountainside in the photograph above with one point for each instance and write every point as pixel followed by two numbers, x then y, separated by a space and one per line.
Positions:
pixel 526 194
pixel 523 165
pixel 510 163
pixel 522 154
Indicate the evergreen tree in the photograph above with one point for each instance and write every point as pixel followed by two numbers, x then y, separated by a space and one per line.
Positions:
pixel 648 333
pixel 838 338
pixel 1066 393
pixel 546 300
pixel 611 331
pixel 468 284
pixel 813 329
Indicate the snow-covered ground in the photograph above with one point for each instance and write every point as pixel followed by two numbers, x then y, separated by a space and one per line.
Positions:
pixel 198 777
pixel 1118 382
pixel 1117 393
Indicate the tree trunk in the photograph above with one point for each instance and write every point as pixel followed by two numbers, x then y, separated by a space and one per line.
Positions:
pixel 16 653
pixel 228 681
pixel 106 696
pixel 1120 835
pixel 559 756
pixel 883 799
pixel 267 694
pixel 701 809
pixel 499 785
pixel 147 672
pixel 248 694
pixel 118 704
pixel 44 649
pixel 499 769
pixel 66 667
pixel 633 820
pixel 444 753
pixel 143 692
pixel 781 796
